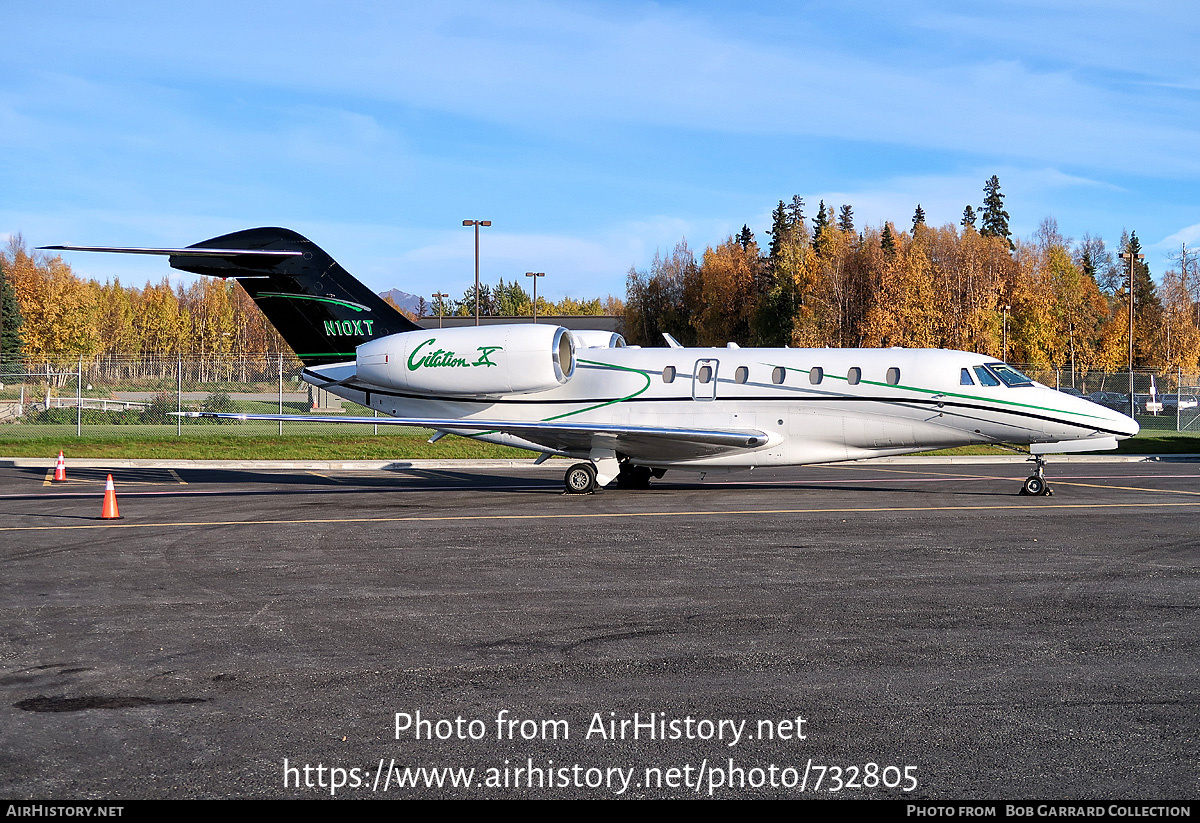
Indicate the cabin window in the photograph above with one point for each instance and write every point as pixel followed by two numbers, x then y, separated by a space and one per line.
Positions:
pixel 669 374
pixel 705 374
pixel 964 378
pixel 854 375
pixel 816 375
pixel 893 376
pixel 741 375
pixel 986 378
pixel 778 375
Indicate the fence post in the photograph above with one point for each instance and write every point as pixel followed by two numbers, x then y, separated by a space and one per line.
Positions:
pixel 79 399
pixel 179 395
pixel 281 392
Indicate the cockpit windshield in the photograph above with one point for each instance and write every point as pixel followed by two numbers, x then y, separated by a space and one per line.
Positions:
pixel 1008 375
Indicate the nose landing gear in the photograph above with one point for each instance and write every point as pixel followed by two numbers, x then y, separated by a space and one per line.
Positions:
pixel 1035 485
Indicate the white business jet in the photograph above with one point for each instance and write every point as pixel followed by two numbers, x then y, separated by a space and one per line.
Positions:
pixel 627 413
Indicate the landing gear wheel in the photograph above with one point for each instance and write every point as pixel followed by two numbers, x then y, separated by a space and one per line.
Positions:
pixel 634 477
pixel 1035 485
pixel 580 479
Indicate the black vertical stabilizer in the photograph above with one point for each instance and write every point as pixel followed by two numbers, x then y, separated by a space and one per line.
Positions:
pixel 320 310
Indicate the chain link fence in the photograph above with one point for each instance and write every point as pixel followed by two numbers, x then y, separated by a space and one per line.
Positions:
pixel 134 397
pixel 1163 402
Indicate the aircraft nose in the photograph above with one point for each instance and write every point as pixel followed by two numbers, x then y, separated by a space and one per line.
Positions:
pixel 1126 425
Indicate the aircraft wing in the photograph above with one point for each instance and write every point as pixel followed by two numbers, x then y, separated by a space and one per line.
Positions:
pixel 639 442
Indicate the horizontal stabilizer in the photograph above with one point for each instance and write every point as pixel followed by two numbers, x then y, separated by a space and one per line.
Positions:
pixel 192 252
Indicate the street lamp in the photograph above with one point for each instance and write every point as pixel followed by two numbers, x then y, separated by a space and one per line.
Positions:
pixel 439 297
pixel 535 275
pixel 477 224
pixel 1128 255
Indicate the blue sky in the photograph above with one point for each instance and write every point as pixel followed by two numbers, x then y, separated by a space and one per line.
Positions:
pixel 591 134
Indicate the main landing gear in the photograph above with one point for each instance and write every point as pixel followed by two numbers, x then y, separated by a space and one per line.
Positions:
pixel 1035 485
pixel 582 477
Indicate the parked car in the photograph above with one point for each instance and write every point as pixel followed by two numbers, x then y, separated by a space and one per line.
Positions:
pixel 1111 400
pixel 1175 402
pixel 1071 391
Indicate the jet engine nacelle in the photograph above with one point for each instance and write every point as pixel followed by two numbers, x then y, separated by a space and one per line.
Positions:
pixel 593 339
pixel 476 360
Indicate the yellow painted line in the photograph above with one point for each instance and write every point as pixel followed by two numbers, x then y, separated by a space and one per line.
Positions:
pixel 175 474
pixel 465 518
pixel 920 471
pixel 49 481
pixel 1122 488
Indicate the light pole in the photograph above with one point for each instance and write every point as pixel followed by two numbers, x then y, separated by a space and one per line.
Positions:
pixel 1128 255
pixel 1004 334
pixel 535 275
pixel 477 224
pixel 440 298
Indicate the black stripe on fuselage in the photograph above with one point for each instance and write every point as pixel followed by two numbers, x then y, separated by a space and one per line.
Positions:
pixel 804 398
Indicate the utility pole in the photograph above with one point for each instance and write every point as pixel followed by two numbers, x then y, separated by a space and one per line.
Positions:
pixel 1004 334
pixel 477 224
pixel 440 298
pixel 535 275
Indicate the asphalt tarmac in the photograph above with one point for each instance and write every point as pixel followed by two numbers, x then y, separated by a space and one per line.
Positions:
pixel 859 631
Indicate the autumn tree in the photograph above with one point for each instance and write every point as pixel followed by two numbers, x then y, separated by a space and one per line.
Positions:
pixel 1181 337
pixel 727 293
pixel 663 299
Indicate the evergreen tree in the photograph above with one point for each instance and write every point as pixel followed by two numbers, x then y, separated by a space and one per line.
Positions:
pixel 745 238
pixel 795 213
pixel 780 231
pixel 887 242
pixel 823 221
pixel 994 222
pixel 918 217
pixel 10 320
pixel 1147 309
pixel 968 220
pixel 846 219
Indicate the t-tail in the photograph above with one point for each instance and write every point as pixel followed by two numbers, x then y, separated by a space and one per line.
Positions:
pixel 320 310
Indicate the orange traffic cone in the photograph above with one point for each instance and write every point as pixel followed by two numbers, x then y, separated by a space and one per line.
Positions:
pixel 109 512
pixel 60 468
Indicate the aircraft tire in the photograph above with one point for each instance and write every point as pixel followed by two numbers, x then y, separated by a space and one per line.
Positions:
pixel 1034 486
pixel 580 479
